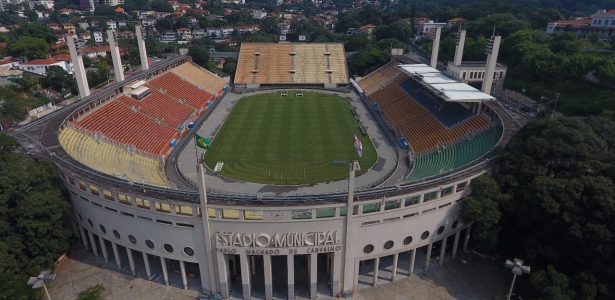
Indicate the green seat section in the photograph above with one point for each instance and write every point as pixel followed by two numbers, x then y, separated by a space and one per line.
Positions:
pixel 455 156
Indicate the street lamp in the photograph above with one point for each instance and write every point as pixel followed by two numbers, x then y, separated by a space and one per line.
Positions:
pixel 39 281
pixel 518 269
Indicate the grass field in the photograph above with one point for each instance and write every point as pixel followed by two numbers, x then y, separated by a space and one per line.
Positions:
pixel 287 140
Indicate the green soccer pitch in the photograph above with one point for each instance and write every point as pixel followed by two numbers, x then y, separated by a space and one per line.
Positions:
pixel 272 139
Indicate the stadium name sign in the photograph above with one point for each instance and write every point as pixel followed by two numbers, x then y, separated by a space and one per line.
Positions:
pixel 277 240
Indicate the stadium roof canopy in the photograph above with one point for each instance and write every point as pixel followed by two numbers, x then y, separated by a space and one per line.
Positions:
pixel 445 87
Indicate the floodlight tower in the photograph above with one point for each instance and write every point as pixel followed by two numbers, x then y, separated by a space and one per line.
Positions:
pixel 492 50
pixel 461 39
pixel 436 47
pixel 75 47
pixel 39 281
pixel 518 269
pixel 142 50
pixel 118 70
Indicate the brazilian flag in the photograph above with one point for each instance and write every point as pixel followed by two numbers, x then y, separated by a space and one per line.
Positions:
pixel 202 142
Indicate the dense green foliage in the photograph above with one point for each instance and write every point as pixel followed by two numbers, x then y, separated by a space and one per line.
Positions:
pixel 94 292
pixel 287 140
pixel 555 195
pixel 33 219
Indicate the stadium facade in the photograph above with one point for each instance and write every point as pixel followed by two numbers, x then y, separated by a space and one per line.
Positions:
pixel 255 245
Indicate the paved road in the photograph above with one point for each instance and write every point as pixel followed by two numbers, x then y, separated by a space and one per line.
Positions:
pixel 386 164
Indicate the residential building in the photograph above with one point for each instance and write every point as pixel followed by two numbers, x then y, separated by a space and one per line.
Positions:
pixel 601 24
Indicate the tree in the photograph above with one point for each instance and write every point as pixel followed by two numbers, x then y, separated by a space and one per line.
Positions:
pixel 37 30
pixel 606 72
pixel 161 6
pixel 482 208
pixel 200 56
pixel 367 59
pixel 229 67
pixel 58 80
pixel 30 47
pixel 94 292
pixel 399 30
pixel 33 219
pixel 560 174
pixel 12 104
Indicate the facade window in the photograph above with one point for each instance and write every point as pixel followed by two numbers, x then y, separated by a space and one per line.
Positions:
pixel 162 207
pixel 183 210
pixel 230 214
pixel 425 235
pixel 461 186
pixel 388 245
pixel 80 217
pixel 455 224
pixel 132 239
pixel 71 179
pixel 149 244
pixel 82 185
pixel 116 234
pixel 430 196
pixel 368 248
pixel 103 229
pixel 123 199
pixel 413 200
pixel 407 240
pixel 108 195
pixel 188 251
pixel 168 248
pixel 142 203
pixel 94 190
pixel 441 229
pixel 392 204
pixel 447 191
pixel 90 222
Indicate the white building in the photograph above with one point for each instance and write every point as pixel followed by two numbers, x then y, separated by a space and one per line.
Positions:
pixel 602 24
pixel 40 66
pixel 98 37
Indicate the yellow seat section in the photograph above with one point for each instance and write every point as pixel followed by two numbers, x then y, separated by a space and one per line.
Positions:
pixel 337 62
pixel 113 160
pixel 200 77
pixel 378 79
pixel 311 64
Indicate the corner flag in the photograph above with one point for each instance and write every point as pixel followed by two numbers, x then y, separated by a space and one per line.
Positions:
pixel 358 146
pixel 202 142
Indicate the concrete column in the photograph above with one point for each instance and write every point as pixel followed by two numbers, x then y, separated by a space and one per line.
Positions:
pixel 116 254
pixel 492 60
pixel 442 251
pixel 118 70
pixel 412 259
pixel 253 265
pixel 78 69
pixel 428 257
pixel 337 273
pixel 131 262
pixel 223 274
pixel 165 274
pixel 350 266
pixel 376 265
pixel 459 50
pixel 435 48
pixel 466 239
pixel 455 243
pixel 268 279
pixel 394 270
pixel 83 238
pixel 148 271
pixel 93 242
pixel 142 51
pixel 313 275
pixel 245 276
pixel 290 265
pixel 182 268
pixel 103 247
pixel 208 262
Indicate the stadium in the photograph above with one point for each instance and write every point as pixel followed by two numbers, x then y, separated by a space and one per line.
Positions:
pixel 280 204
